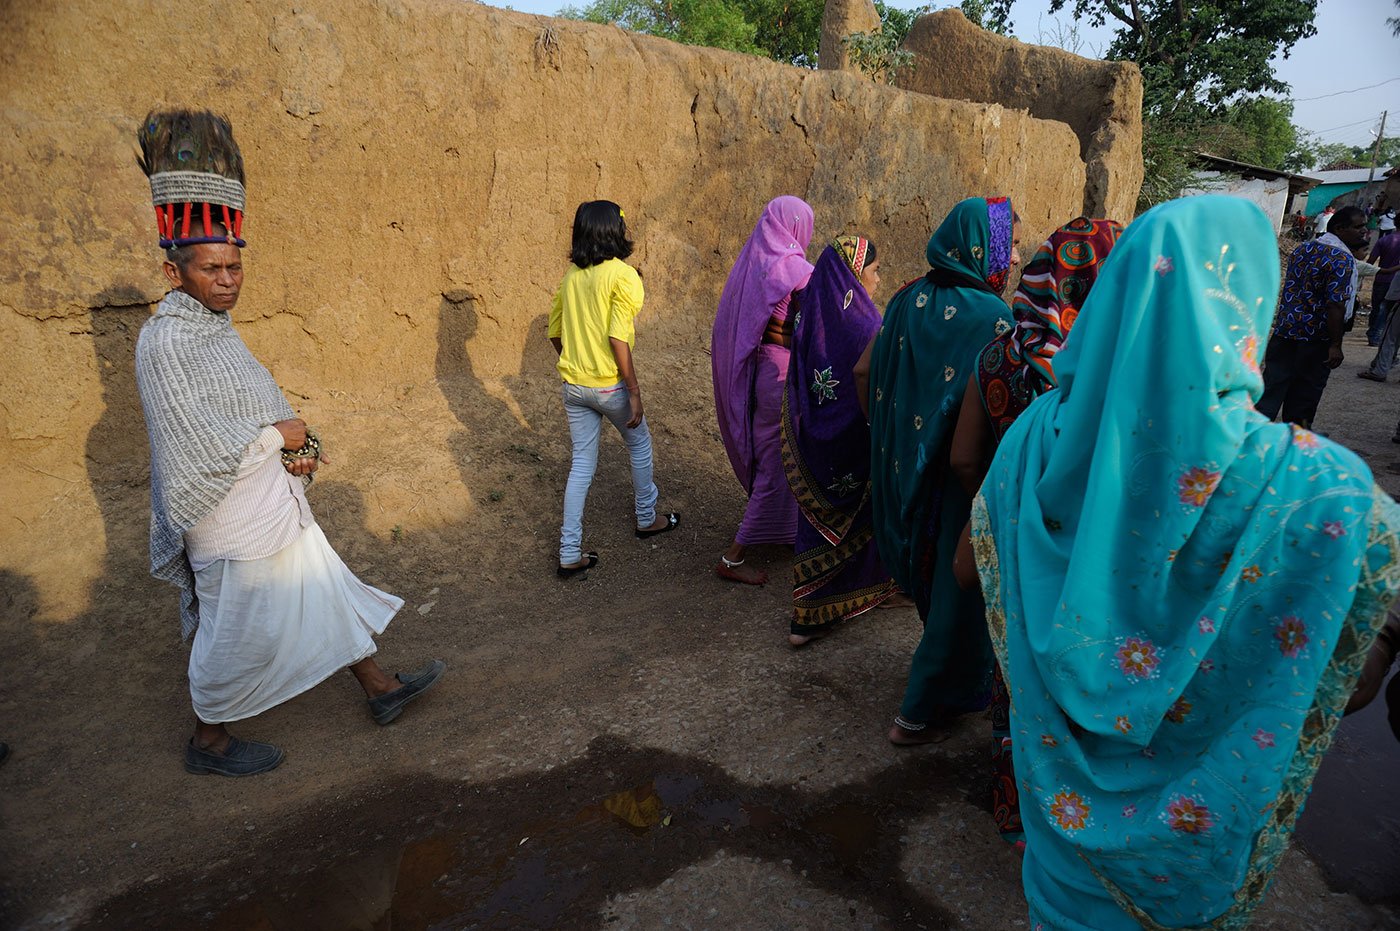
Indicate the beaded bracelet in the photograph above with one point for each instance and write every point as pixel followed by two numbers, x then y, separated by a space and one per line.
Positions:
pixel 312 449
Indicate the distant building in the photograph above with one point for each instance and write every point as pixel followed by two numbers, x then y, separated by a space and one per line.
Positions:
pixel 1343 188
pixel 1278 193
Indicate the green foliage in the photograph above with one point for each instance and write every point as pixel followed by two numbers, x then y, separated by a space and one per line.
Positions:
pixel 878 55
pixel 1200 52
pixel 1332 156
pixel 895 22
pixel 785 30
pixel 1260 131
pixel 715 23
pixel 991 15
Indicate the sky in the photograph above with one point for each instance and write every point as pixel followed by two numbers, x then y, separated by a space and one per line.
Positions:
pixel 1353 48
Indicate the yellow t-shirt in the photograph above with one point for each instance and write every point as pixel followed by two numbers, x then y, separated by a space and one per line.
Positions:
pixel 592 306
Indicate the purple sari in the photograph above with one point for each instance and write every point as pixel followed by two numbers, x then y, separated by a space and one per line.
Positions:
pixel 826 451
pixel 749 375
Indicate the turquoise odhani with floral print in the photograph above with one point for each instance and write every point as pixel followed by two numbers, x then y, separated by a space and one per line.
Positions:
pixel 1181 593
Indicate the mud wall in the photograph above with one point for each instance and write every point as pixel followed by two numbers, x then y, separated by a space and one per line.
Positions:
pixel 413 167
pixel 1100 100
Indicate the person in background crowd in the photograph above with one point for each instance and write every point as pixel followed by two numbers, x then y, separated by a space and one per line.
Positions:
pixel 1182 611
pixel 912 377
pixel 749 354
pixel 837 574
pixel 1385 253
pixel 1012 371
pixel 1307 336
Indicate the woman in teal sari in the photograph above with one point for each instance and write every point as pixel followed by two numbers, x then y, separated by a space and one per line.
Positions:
pixel 918 365
pixel 1180 593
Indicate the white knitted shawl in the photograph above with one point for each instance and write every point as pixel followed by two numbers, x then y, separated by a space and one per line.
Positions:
pixel 206 399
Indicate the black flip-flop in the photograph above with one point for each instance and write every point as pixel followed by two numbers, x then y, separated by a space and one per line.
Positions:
pixel 673 520
pixel 571 571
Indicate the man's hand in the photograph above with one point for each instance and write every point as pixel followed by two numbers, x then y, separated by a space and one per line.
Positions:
pixel 634 403
pixel 304 466
pixel 293 433
pixel 1334 356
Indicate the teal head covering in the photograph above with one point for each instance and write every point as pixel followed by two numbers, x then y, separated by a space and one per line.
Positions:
pixel 1180 592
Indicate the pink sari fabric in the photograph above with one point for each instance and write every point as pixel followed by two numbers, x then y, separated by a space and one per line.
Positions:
pixel 772 264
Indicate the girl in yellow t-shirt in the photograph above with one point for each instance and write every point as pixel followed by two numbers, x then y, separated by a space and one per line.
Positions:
pixel 590 325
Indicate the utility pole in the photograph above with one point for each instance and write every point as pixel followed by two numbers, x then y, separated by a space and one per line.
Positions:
pixel 1375 149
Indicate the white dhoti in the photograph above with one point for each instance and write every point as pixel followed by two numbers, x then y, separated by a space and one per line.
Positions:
pixel 271 628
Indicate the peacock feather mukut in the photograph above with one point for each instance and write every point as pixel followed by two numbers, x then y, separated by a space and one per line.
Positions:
pixel 196 172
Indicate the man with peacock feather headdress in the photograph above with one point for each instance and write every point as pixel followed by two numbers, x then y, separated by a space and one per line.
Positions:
pixel 270 606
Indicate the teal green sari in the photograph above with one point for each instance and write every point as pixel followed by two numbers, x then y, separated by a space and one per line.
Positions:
pixel 923 356
pixel 1181 594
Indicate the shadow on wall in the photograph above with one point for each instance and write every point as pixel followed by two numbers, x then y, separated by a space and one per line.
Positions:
pixel 488 422
pixel 118 453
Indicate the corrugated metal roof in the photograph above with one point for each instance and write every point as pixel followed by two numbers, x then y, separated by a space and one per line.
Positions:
pixel 1348 176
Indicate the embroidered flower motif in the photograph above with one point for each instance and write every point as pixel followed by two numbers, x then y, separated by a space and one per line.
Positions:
pixel 1291 634
pixel 1159 878
pixel 948 373
pixel 1205 625
pixel 850 296
pixel 1263 739
pixel 879 394
pixel 1122 724
pixel 1164 266
pixel 949 312
pixel 1305 441
pixel 823 385
pixel 1225 560
pixel 1137 657
pixel 1207 665
pixel 1249 353
pixel 1171 556
pixel 1195 486
pixel 797 320
pixel 1069 810
pixel 1149 753
pixel 1188 815
pixel 1333 528
pixel 844 485
pixel 1002 327
pixel 921 300
pixel 977 253
pixel 1129 811
pixel 918 422
pixel 1251 574
pixel 1179 710
pixel 1049 740
pixel 954 254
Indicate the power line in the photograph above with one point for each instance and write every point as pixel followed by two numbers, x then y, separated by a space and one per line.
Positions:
pixel 1369 119
pixel 1340 93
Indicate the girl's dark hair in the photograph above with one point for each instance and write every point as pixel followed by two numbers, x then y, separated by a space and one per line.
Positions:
pixel 869 252
pixel 600 233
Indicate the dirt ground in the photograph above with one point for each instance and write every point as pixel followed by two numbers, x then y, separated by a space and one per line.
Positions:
pixel 638 749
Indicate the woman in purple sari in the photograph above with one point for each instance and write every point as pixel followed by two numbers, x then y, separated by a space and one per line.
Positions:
pixel 826 444
pixel 749 356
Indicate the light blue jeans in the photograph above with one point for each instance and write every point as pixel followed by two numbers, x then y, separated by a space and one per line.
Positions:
pixel 586 408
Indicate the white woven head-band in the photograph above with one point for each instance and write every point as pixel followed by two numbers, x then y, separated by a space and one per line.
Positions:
pixel 185 187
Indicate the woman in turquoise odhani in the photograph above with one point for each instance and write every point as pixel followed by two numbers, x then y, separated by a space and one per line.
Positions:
pixel 1180 593
pixel 919 363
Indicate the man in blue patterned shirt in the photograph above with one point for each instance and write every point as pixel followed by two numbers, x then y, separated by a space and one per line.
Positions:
pixel 1306 343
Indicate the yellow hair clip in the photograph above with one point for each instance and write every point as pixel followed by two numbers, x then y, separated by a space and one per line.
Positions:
pixel 621 213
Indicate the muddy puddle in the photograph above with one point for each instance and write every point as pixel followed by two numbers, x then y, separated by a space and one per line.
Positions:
pixel 1351 825
pixel 550 849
